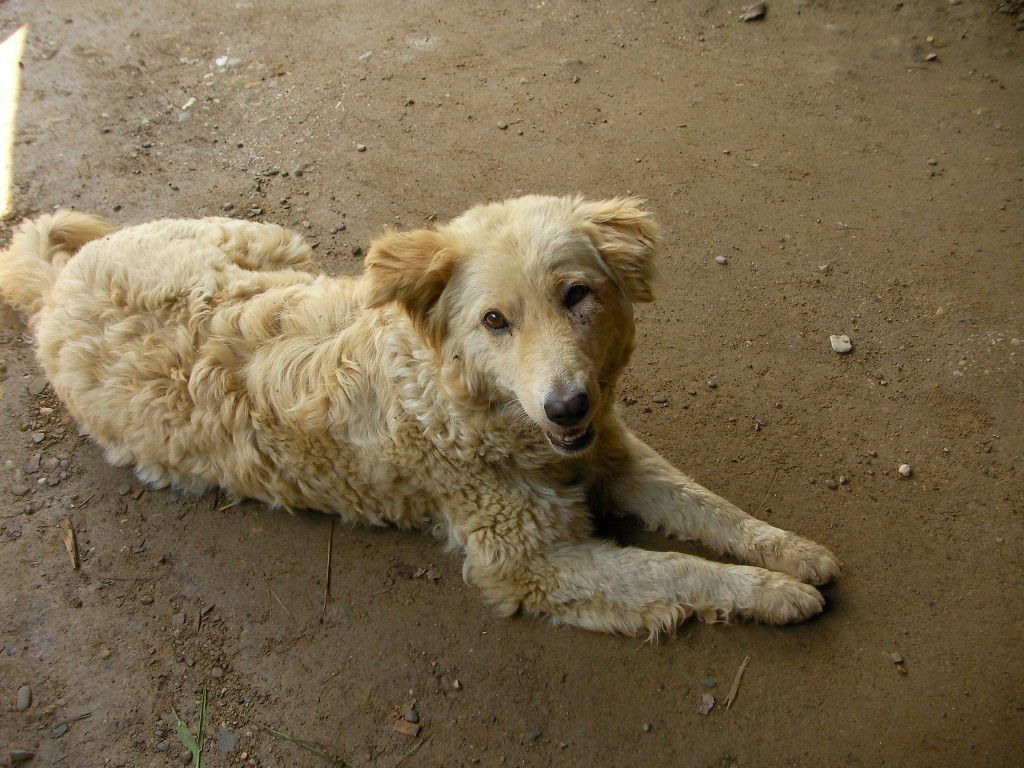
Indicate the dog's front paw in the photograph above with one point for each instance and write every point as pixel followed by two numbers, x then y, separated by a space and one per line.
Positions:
pixel 799 557
pixel 779 599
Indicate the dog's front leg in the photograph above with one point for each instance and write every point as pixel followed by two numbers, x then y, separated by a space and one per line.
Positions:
pixel 599 586
pixel 640 482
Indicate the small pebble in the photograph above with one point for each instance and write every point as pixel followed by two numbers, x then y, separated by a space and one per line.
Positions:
pixel 905 470
pixel 533 736
pixel 457 685
pixel 226 741
pixel 831 484
pixel 647 727
pixel 502 125
pixel 32 465
pixel 411 716
pixel 712 384
pixel 840 344
pixel 844 480
pixel 124 489
pixel 216 673
pixel 360 147
pixel 660 399
pixel 709 682
pixel 19 756
pixel 897 657
pixel 19 489
pixel 721 260
pixel 406 728
pixel 146 599
pixel 24 698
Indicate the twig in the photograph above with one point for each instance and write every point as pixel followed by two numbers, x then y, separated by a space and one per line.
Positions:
pixel 327 579
pixel 770 486
pixel 731 697
pixel 72 719
pixel 272 592
pixel 201 614
pixel 331 676
pixel 70 542
pixel 412 750
pixel 311 746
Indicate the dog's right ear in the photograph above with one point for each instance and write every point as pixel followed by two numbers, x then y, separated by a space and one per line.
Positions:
pixel 412 269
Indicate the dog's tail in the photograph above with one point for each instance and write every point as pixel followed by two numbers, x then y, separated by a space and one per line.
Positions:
pixel 38 251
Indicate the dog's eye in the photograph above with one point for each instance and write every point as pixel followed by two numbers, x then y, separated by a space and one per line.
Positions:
pixel 495 321
pixel 575 295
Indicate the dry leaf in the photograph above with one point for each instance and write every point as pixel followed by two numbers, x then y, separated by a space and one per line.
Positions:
pixel 705 704
pixel 753 12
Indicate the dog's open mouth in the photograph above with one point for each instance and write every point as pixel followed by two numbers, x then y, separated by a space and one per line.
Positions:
pixel 573 441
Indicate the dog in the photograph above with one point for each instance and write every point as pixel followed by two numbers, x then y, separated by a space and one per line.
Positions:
pixel 466 382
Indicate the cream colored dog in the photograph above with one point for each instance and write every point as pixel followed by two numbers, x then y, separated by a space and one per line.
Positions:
pixel 467 379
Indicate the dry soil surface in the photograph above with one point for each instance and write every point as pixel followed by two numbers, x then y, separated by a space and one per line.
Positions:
pixel 860 168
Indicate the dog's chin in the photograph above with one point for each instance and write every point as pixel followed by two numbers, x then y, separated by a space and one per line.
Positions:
pixel 572 442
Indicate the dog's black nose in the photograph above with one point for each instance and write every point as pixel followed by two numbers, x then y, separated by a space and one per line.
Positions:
pixel 566 411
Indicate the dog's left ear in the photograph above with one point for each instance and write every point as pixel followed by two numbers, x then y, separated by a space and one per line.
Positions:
pixel 627 238
pixel 412 269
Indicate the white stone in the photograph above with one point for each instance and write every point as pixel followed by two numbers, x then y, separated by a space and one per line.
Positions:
pixel 840 344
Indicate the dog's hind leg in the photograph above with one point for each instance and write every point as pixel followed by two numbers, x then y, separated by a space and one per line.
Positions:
pixel 645 485
pixel 600 586
pixel 256 246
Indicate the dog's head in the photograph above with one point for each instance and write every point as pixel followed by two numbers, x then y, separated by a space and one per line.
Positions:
pixel 531 297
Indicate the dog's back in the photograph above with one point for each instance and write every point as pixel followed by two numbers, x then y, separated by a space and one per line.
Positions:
pixel 146 334
pixel 38 251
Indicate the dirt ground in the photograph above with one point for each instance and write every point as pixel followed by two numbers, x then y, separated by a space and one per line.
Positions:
pixel 860 167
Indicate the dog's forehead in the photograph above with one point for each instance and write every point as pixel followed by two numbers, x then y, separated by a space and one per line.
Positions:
pixel 531 231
